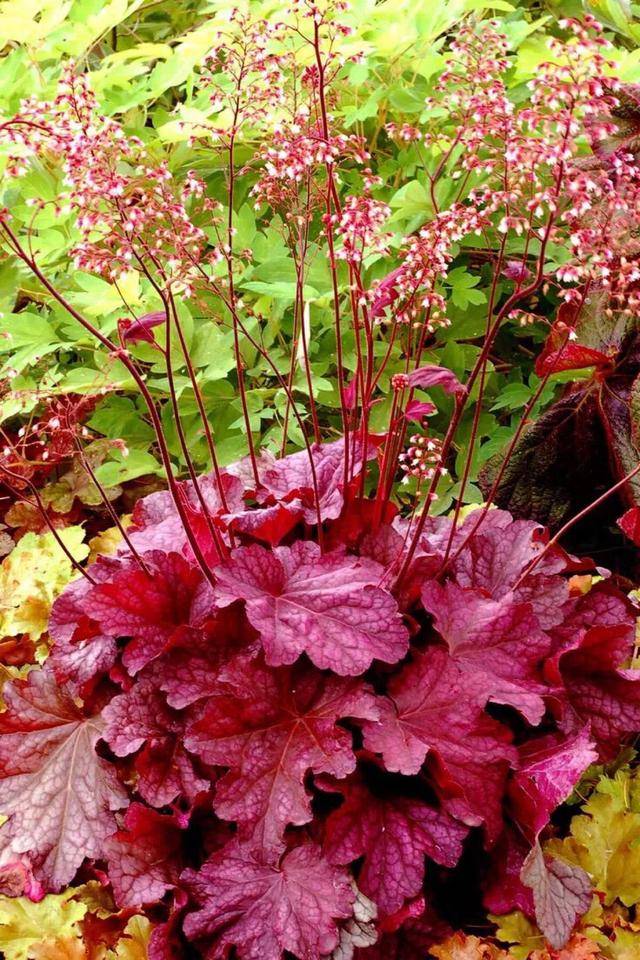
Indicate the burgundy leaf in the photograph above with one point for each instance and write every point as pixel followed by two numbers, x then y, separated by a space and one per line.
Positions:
pixel 80 652
pixel 629 523
pixel 432 376
pixel 561 893
pixel 504 890
pixel 145 857
pixel 262 908
pixel 167 941
pixel 291 480
pixel 549 769
pixel 326 606
pixel 153 610
pixel 601 606
pixel 141 718
pixel 496 557
pixel 562 352
pixel 435 709
pixel 599 690
pixel 157 524
pixel 57 793
pixel 394 833
pixel 270 728
pixel 188 671
pixel 270 524
pixel 497 642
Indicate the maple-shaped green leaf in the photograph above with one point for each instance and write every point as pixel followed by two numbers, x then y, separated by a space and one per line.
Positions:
pixel 463 290
pixel 24 924
pixel 624 945
pixel 32 576
pixel 134 941
pixel 519 933
pixel 605 841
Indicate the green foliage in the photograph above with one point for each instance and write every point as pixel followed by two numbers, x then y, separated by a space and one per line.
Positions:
pixel 143 61
pixel 32 576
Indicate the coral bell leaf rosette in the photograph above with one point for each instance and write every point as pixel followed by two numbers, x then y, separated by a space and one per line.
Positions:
pixel 284 734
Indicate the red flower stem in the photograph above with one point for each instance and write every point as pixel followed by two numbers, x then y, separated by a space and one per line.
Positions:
pixel 486 506
pixel 285 386
pixel 200 403
pixel 330 194
pixel 169 305
pixel 112 513
pixel 214 534
pixel 137 378
pixel 232 300
pixel 571 523
pixel 45 516
pixel 460 405
pixel 171 315
pixel 478 408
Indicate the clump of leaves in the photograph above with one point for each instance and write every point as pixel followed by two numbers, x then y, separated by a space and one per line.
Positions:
pixel 80 923
pixel 266 701
pixel 603 840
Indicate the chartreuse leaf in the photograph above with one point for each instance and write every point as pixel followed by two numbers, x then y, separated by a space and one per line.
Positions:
pixel 519 932
pixel 133 943
pixel 463 290
pixel 24 924
pixel 32 576
pixel 605 839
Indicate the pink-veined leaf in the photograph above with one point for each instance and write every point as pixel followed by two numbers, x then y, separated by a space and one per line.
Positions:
pixel 497 642
pixel 265 907
pixel 291 480
pixel 600 690
pixel 326 606
pixel 270 728
pixel 394 833
pixel 145 856
pixel 561 893
pixel 151 609
pixel 140 718
pixel 549 769
pixel 58 794
pixel 433 708
pixel 188 671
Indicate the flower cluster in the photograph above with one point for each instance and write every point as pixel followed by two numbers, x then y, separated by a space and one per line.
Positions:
pixel 359 224
pixel 130 214
pixel 423 457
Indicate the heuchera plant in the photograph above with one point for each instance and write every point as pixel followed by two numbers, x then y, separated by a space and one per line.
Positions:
pixel 285 712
